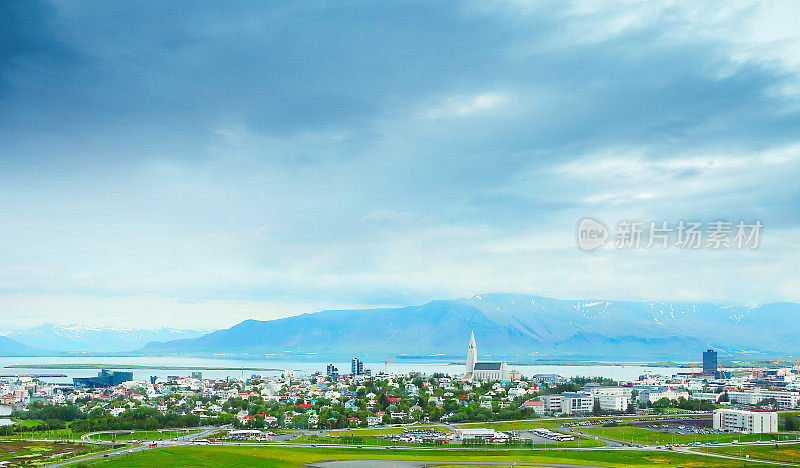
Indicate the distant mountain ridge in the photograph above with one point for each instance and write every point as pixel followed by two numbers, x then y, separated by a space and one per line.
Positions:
pixel 9 347
pixel 516 326
pixel 84 338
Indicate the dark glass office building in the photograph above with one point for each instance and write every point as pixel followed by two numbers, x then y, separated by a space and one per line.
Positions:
pixel 710 364
pixel 104 379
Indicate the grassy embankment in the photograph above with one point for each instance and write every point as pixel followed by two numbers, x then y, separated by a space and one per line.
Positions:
pixel 780 453
pixel 233 457
pixel 14 453
pixel 143 435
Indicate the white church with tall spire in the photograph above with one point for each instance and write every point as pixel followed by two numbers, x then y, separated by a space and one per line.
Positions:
pixel 483 371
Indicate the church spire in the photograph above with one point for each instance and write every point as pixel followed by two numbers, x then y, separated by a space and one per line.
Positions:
pixel 472 355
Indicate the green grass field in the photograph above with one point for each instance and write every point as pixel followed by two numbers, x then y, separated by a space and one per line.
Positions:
pixel 643 436
pixel 584 443
pixel 233 457
pixel 142 435
pixel 781 453
pixel 56 434
pixel 30 423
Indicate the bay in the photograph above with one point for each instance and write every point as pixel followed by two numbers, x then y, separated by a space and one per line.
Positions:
pixel 617 371
pixel 5 411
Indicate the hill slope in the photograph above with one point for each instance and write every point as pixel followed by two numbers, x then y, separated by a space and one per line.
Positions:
pixel 514 325
pixel 84 338
pixel 9 347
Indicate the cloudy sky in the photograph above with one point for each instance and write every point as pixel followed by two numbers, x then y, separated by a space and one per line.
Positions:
pixel 195 164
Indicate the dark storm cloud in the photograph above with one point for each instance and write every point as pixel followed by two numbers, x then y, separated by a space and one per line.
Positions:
pixel 175 72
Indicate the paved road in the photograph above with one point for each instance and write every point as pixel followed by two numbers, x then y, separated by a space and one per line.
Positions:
pixel 99 455
pixel 88 437
pixel 182 440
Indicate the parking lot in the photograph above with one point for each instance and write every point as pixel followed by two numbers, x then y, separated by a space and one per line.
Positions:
pixel 682 429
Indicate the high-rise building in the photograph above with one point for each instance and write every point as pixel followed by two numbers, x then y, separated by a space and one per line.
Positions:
pixel 710 364
pixel 356 367
pixel 197 375
pixel 332 372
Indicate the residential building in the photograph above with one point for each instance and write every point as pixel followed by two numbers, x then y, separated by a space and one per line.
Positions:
pixel 654 394
pixel 568 403
pixel 746 422
pixel 537 406
pixel 548 379
pixel 609 402
pixel 785 399
pixel 705 396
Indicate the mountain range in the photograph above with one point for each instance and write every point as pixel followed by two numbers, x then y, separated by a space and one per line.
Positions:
pixel 15 348
pixel 84 338
pixel 515 327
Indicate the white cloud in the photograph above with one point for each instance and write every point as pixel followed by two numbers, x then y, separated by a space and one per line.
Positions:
pixel 469 105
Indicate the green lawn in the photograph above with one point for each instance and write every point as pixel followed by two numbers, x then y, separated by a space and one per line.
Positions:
pixel 142 435
pixel 643 436
pixel 578 442
pixel 30 423
pixel 781 453
pixel 233 457
pixel 56 434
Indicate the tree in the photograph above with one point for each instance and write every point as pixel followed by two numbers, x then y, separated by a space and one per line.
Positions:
pixel 769 402
pixel 383 401
pixel 792 423
pixel 596 410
